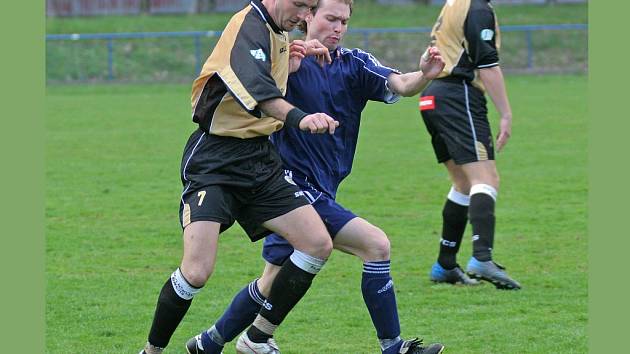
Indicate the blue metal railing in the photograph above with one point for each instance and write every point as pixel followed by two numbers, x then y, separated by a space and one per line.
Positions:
pixel 364 32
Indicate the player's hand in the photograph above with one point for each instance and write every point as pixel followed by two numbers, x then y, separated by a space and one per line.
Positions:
pixel 505 131
pixel 318 123
pixel 314 47
pixel 297 52
pixel 431 63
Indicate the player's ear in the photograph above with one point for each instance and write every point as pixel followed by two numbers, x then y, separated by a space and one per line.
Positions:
pixel 309 17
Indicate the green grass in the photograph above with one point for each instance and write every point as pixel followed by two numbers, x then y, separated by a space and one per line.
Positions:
pixel 112 195
pixel 366 14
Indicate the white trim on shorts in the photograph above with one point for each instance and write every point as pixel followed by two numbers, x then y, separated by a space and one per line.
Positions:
pixel 184 170
pixel 470 120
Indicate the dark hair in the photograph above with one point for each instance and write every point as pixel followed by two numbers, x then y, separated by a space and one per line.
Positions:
pixel 302 25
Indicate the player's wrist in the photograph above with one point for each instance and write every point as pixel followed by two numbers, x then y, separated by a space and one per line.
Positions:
pixel 294 117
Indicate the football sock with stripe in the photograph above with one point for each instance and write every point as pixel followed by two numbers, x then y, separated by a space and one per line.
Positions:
pixel 454 220
pixel 291 283
pixel 236 318
pixel 173 303
pixel 377 287
pixel 482 220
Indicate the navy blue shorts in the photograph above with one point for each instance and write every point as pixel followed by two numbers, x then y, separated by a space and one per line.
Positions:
pixel 276 249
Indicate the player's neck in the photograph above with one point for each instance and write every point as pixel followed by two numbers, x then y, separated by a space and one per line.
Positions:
pixel 270 5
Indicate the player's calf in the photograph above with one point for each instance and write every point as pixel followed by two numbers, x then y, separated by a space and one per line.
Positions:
pixel 173 303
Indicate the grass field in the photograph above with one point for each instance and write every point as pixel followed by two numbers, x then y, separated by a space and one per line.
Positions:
pixel 112 195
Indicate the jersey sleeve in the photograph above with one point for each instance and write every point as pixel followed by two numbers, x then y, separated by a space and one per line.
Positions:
pixel 248 75
pixel 480 33
pixel 372 77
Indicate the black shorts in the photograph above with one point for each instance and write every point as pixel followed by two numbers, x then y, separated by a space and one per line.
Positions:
pixel 455 114
pixel 229 179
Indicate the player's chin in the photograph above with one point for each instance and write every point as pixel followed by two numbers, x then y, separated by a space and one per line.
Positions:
pixel 331 44
pixel 290 26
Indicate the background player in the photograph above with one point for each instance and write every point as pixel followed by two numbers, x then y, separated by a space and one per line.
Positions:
pixel 454 110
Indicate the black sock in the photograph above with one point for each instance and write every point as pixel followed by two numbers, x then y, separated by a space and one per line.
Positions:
pixel 482 219
pixel 454 220
pixel 169 311
pixel 288 288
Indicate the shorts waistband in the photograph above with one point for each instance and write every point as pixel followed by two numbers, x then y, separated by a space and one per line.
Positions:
pixel 257 139
pixel 452 79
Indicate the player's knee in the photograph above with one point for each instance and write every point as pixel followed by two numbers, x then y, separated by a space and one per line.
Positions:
pixel 197 275
pixel 319 245
pixel 462 186
pixel 495 181
pixel 378 247
pixel 180 288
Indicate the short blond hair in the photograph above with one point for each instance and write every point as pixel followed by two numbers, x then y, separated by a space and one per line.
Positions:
pixel 302 25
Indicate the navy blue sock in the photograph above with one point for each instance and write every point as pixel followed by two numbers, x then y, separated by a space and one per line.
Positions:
pixel 211 346
pixel 379 296
pixel 237 317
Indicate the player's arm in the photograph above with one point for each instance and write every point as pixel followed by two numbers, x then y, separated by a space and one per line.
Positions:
pixel 481 34
pixel 282 110
pixel 494 83
pixel 410 84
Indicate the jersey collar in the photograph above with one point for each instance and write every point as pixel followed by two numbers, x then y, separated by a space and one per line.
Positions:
pixel 262 10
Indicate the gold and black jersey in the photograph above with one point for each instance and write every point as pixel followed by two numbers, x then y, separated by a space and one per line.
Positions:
pixel 467 34
pixel 249 64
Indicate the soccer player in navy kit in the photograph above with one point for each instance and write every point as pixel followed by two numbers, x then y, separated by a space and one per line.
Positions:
pixel 318 164
pixel 454 110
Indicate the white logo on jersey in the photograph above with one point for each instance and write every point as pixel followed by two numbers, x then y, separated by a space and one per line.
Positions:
pixel 258 54
pixel 487 34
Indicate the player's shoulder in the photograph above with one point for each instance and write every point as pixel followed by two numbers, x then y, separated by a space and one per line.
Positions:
pixel 480 5
pixel 358 56
pixel 356 53
pixel 251 22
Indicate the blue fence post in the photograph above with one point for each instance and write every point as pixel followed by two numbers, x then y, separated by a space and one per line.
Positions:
pixel 110 59
pixel 197 55
pixel 530 49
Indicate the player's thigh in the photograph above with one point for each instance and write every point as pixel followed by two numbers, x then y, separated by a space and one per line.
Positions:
pixel 361 238
pixel 276 249
pixel 304 230
pixel 457 177
pixel 482 172
pixel 200 249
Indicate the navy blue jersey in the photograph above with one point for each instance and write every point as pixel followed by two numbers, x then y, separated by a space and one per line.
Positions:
pixel 340 89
